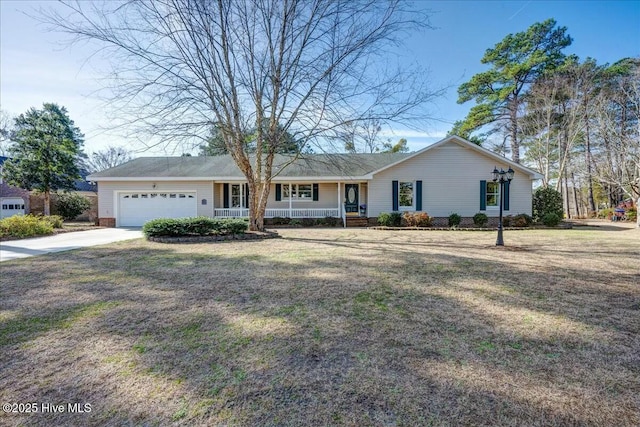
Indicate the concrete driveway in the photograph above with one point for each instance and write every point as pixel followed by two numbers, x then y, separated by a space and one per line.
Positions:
pixel 13 249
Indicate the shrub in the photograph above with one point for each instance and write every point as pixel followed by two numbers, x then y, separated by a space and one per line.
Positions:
pixel 418 219
pixel 295 222
pixel 522 220
pixel 308 222
pixel 330 221
pixel 384 219
pixel 393 219
pixel 396 219
pixel 480 219
pixel 54 220
pixel 278 220
pixel 632 214
pixel 21 226
pixel 546 200
pixel 454 220
pixel 605 213
pixel 70 205
pixel 551 220
pixel 198 226
pixel 507 220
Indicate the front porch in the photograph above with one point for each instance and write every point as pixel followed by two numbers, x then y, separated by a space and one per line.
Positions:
pixel 280 213
pixel 296 200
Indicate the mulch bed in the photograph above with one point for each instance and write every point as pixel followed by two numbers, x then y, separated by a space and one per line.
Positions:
pixel 249 235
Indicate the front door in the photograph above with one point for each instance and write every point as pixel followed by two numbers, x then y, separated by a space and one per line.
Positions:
pixel 351 198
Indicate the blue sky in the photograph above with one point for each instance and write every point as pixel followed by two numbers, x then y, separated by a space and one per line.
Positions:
pixel 36 66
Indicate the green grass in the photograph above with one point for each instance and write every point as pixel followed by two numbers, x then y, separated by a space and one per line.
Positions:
pixel 330 327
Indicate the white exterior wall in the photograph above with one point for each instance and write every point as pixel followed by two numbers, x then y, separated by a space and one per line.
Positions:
pixel 450 177
pixel 107 193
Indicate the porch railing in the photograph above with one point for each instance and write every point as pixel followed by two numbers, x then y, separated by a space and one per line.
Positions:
pixel 283 213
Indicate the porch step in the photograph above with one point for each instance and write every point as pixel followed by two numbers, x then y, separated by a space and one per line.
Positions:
pixel 357 222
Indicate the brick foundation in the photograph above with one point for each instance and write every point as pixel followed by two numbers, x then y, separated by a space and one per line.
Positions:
pixel 107 222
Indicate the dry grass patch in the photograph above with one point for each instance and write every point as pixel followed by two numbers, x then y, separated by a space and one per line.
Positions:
pixel 330 327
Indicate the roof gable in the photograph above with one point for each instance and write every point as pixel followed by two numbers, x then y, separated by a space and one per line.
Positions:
pixel 463 142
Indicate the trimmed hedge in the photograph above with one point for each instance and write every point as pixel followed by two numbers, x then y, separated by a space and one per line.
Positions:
pixel 198 226
pixel 480 219
pixel 21 226
pixel 454 220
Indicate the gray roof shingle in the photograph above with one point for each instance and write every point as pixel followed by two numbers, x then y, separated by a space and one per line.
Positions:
pixel 308 165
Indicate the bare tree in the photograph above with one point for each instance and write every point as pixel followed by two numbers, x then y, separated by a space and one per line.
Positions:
pixel 108 158
pixel 6 131
pixel 617 123
pixel 303 67
pixel 361 136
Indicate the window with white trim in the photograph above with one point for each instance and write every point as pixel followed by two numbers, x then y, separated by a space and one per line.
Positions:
pixel 405 195
pixel 236 195
pixel 298 191
pixel 493 194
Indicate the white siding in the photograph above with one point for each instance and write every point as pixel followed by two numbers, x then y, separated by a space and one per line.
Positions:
pixel 451 176
pixel 107 193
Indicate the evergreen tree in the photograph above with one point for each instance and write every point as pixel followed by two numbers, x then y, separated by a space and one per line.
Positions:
pixel 46 152
pixel 518 60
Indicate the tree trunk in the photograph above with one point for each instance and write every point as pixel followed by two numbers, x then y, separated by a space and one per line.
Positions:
pixel 575 195
pixel 590 200
pixel 47 203
pixel 258 196
pixel 566 193
pixel 513 117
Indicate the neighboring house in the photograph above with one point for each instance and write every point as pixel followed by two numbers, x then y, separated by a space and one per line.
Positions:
pixel 18 201
pixel 451 176
pixel 13 200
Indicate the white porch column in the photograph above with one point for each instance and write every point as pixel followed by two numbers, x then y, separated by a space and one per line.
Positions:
pixel 213 199
pixel 290 206
pixel 339 201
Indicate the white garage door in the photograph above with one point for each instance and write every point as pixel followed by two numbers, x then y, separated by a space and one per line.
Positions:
pixel 11 206
pixel 136 208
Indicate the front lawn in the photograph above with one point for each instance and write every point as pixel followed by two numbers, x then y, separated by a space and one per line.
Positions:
pixel 330 327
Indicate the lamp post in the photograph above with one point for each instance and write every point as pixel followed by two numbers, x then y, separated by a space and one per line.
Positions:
pixel 501 176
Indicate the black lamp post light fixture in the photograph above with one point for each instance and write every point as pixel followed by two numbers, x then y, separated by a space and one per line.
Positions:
pixel 501 176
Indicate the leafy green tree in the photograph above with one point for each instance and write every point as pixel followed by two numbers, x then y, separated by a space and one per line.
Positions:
pixel 518 60
pixel 461 128
pixel 398 147
pixel 216 145
pixel 46 152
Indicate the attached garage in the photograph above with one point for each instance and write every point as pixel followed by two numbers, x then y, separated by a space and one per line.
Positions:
pixel 11 206
pixel 136 208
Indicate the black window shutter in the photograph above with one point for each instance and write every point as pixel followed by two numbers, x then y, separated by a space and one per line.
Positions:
pixel 394 196
pixel 483 195
pixel 225 195
pixel 419 196
pixel 316 195
pixel 505 200
pixel 278 192
pixel 246 195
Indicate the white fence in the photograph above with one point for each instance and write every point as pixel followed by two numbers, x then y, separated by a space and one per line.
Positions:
pixel 282 213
